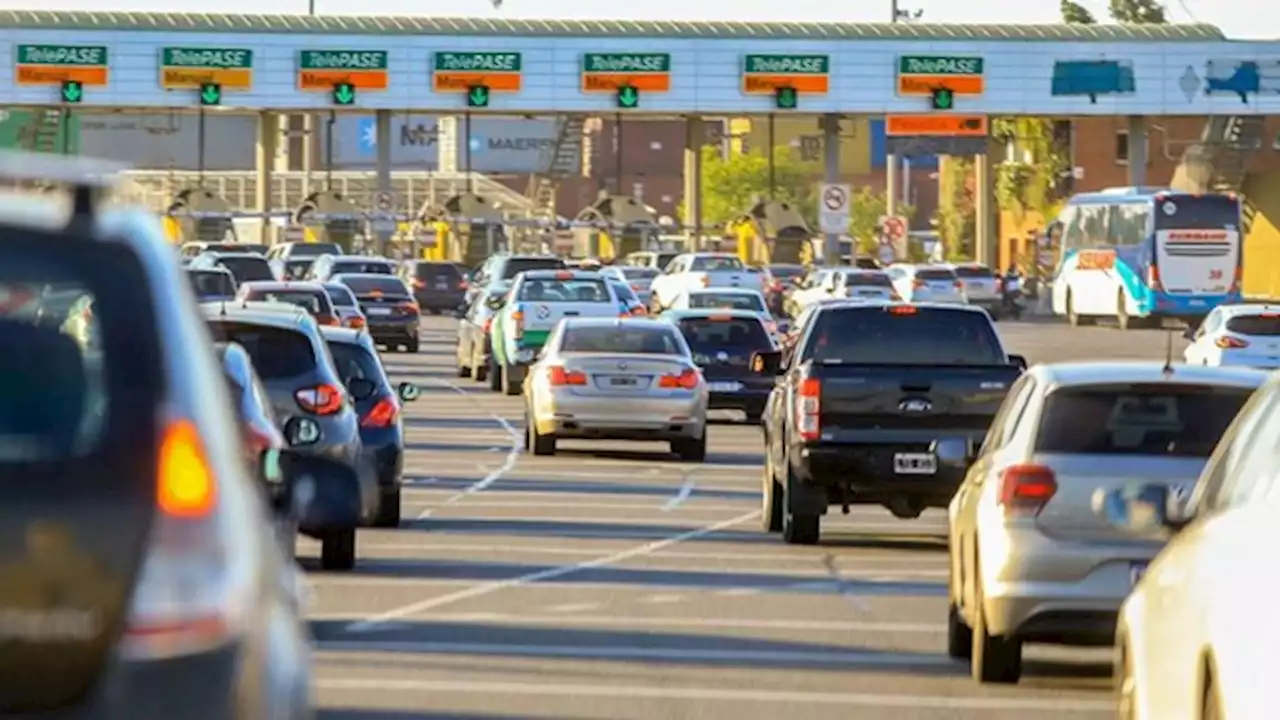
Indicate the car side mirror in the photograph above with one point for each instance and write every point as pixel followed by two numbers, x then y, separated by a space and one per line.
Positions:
pixel 766 362
pixel 1143 510
pixel 361 388
pixel 956 453
pixel 301 432
pixel 1018 361
pixel 408 392
pixel 495 303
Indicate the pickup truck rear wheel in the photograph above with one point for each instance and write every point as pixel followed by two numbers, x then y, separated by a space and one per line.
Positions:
pixel 801 529
pixel 771 490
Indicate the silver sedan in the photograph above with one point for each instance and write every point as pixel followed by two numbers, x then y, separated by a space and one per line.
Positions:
pixel 616 379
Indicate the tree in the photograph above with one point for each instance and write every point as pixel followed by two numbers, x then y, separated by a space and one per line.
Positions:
pixel 730 186
pixel 1076 14
pixel 957 210
pixel 1137 12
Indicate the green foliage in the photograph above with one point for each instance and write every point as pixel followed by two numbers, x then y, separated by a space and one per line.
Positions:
pixel 1076 14
pixel 1027 181
pixel 957 209
pixel 1137 12
pixel 730 186
pixel 867 206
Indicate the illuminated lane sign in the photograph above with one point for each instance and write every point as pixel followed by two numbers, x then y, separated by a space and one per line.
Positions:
pixel 920 75
pixel 82 65
pixel 460 72
pixel 765 74
pixel 184 68
pixel 611 72
pixel 323 70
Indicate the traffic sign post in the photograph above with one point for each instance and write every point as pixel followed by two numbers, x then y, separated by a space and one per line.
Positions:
pixel 834 208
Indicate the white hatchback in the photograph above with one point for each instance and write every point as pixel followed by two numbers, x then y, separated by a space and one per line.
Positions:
pixel 1237 335
pixel 927 283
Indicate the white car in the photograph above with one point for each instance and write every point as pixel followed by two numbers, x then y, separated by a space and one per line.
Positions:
pixel 1199 630
pixel 695 271
pixel 981 286
pixel 1243 335
pixel 846 282
pixel 927 283
pixel 727 299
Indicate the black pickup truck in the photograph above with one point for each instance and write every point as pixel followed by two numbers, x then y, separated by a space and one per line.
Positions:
pixel 878 404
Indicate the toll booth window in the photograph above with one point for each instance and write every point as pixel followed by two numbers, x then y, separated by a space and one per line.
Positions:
pixel 615 339
pixel 585 290
pixel 717 263
pixel 727 301
pixel 515 266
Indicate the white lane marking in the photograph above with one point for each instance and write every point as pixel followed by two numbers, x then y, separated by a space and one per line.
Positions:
pixel 1054 704
pixel 661 599
pixel 513 455
pixel 685 491
pixel 574 608
pixel 578 506
pixel 679 621
pixel 852 564
pixel 739 592
pixel 488 588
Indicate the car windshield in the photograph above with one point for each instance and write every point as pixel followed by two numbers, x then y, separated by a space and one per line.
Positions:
pixel 620 339
pixel 353 361
pixel 726 301
pixel 340 295
pixel 515 266
pixel 248 269
pixel 314 249
pixel 1262 324
pixel 590 289
pixel 276 352
pixel 305 299
pixel 974 272
pixel 373 267
pixel 211 283
pixel 903 335
pixel 716 263
pixel 1157 419
pixel 868 279
pixel 369 285
pixel 732 334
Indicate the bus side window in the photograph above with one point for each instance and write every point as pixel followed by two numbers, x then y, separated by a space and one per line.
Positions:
pixel 1070 220
pixel 1129 223
pixel 1093 221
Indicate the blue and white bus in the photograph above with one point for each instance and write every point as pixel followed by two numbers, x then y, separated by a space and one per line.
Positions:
pixel 1143 254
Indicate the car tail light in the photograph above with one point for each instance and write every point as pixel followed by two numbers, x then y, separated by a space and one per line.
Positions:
pixel 902 310
pixel 639 311
pixel 1230 343
pixel 193 590
pixel 322 399
pixel 808 407
pixel 408 308
pixel 517 317
pixel 1026 489
pixel 917 282
pixel 559 377
pixel 488 324
pixel 382 415
pixel 356 323
pixel 686 380
pixel 375 293
pixel 327 320
pixel 958 285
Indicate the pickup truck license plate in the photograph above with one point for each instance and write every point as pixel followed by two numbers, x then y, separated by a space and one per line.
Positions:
pixel 724 386
pixel 915 464
pixel 1136 571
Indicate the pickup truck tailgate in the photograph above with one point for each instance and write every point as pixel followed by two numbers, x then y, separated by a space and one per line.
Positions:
pixel 909 403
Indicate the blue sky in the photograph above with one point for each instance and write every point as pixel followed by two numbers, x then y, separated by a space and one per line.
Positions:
pixel 1251 19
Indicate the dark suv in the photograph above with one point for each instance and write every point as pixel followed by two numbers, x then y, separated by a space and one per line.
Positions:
pixel 439 287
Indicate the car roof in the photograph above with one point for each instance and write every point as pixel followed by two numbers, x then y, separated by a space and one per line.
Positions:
pixel 209 270
pixel 693 313
pixel 724 290
pixel 283 285
pixel 281 315
pixel 554 274
pixel 237 255
pixel 347 336
pixel 1106 372
pixel 1242 309
pixel 361 258
pixel 643 322
pixel 364 276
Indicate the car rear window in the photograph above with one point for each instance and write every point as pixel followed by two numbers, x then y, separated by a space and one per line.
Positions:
pixel 717 263
pixel 515 266
pixel 570 290
pixel 248 269
pixel 1198 212
pixel 1183 420
pixel 81 370
pixel 935 274
pixel 296 269
pixel 621 339
pixel 354 361
pixel 639 273
pixel 308 300
pixel 903 335
pixel 277 352
pixel 974 273
pixel 710 334
pixel 340 295
pixel 726 301
pixel 314 249
pixel 868 279
pixel 373 267
pixel 786 272
pixel 368 285
pixel 431 272
pixel 1262 324
pixel 211 284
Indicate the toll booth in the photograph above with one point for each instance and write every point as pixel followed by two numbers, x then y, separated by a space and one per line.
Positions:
pixel 329 217
pixel 181 227
pixel 613 227
pixel 467 228
pixel 772 232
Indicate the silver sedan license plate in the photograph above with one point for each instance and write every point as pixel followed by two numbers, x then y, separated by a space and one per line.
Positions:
pixel 915 463
pixel 622 381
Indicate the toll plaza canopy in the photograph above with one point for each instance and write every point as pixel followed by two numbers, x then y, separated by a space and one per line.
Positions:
pixel 351 63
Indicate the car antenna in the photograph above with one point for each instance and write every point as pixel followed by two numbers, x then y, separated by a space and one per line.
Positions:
pixel 223 313
pixel 1168 354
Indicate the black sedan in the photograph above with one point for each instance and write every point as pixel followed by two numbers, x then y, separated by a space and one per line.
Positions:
pixel 722 342
pixel 391 313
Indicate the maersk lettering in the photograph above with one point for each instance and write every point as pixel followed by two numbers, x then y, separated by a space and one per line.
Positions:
pixel 787 64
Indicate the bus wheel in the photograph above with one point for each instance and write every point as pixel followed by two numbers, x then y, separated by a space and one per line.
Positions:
pixel 1074 317
pixel 1123 321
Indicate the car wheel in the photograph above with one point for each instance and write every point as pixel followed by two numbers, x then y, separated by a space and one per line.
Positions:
pixel 798 529
pixel 535 442
pixel 338 550
pixel 771 502
pixel 510 383
pixel 994 659
pixel 959 635
pixel 479 370
pixel 691 449
pixel 388 509
pixel 495 376
pixel 412 345
pixel 1123 321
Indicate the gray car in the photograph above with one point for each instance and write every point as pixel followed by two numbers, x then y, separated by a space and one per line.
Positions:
pixel 344 302
pixel 294 364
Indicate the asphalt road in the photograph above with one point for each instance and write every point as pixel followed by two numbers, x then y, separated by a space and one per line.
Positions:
pixel 612 581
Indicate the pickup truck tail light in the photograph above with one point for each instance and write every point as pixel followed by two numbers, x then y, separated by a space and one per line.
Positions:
pixel 1026 489
pixel 1231 343
pixel 808 409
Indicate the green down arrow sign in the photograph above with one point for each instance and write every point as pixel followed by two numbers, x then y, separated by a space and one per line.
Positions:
pixel 344 93
pixel 210 94
pixel 628 97
pixel 478 96
pixel 72 91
